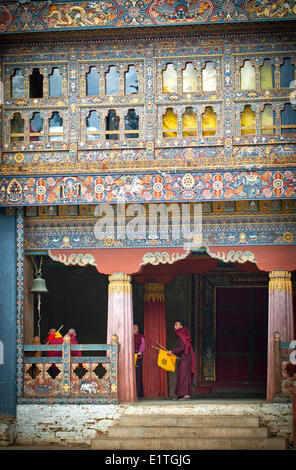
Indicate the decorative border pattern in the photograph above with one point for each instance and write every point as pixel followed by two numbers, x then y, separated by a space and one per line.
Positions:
pixel 54 15
pixel 148 187
pixel 20 298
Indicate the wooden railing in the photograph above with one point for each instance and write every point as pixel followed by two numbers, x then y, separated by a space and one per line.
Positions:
pixel 284 375
pixel 69 376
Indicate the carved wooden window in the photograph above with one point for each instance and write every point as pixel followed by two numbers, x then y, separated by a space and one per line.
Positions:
pixel 36 128
pixel 248 81
pixel 92 82
pixel 55 83
pixel 267 120
pixel 17 128
pixel 93 126
pixel 131 121
pixel 287 73
pixel 131 81
pixel 112 125
pixel 248 121
pixel 267 74
pixel 36 84
pixel 112 81
pixel 209 77
pixel 209 122
pixel 288 119
pixel 189 79
pixel 169 79
pixel 17 84
pixel 189 123
pixel 55 127
pixel 169 123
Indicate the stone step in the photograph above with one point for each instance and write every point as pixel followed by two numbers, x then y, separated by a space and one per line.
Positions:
pixel 201 443
pixel 183 420
pixel 177 431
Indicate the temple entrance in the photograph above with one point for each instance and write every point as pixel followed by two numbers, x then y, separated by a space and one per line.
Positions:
pixel 225 308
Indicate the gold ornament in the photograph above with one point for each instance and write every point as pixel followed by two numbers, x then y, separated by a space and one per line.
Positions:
pixel 280 280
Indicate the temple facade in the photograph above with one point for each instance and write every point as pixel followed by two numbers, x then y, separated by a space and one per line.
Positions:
pixel 148 175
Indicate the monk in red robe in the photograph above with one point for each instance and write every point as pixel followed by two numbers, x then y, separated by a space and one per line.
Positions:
pixel 186 364
pixel 74 340
pixel 139 347
pixel 54 338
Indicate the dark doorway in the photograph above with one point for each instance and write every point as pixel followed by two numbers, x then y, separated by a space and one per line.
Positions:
pixel 77 298
pixel 241 338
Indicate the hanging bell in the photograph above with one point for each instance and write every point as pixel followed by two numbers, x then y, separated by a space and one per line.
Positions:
pixel 38 285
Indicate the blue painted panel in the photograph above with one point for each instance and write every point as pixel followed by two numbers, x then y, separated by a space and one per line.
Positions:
pixel 8 313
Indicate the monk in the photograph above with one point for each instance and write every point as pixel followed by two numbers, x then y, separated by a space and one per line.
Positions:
pixel 54 338
pixel 186 364
pixel 139 344
pixel 73 340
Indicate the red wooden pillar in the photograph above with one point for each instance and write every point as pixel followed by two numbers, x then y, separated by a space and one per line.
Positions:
pixel 280 318
pixel 120 322
pixel 155 380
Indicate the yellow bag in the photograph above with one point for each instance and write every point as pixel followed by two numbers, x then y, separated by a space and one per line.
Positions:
pixel 165 361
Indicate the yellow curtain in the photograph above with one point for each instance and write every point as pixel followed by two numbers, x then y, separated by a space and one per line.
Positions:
pixel 209 122
pixel 169 122
pixel 266 74
pixel 267 120
pixel 248 121
pixel 189 124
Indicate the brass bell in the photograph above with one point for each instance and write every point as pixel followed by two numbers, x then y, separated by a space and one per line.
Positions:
pixel 38 285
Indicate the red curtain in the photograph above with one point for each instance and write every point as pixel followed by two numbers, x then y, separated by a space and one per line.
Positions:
pixel 155 380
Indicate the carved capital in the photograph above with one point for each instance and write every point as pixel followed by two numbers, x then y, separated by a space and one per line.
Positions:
pixel 154 292
pixel 120 283
pixel 280 280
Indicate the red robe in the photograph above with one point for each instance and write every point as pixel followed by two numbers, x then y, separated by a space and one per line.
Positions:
pixel 74 340
pixel 186 364
pixel 51 339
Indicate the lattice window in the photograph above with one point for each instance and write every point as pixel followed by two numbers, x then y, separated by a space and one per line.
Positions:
pixel 169 123
pixel 112 81
pixel 267 74
pixel 267 120
pixel 92 82
pixel 169 79
pixel 247 76
pixel 248 121
pixel 209 122
pixel 189 79
pixel 17 125
pixel 56 132
pixel 209 77
pixel 288 119
pixel 17 84
pixel 189 123
pixel 36 128
pixel 93 126
pixel 287 73
pixel 131 121
pixel 131 81
pixel 36 84
pixel 55 83
pixel 112 125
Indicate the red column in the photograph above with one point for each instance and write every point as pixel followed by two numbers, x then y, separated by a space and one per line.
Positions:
pixel 280 318
pixel 155 380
